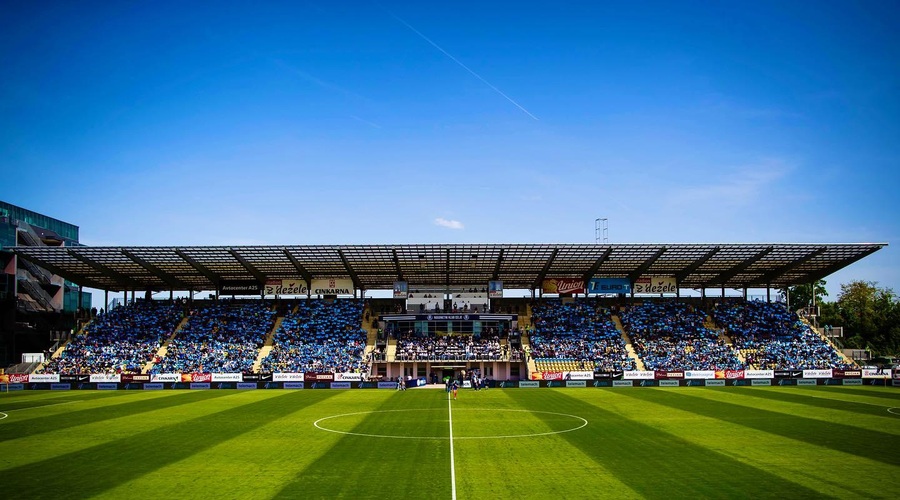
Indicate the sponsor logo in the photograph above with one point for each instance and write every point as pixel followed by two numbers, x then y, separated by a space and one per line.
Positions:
pixel 563 285
pixel 603 375
pixel 759 374
pixel 106 377
pixel 609 285
pixel 638 375
pixel 240 288
pixel 246 385
pixel 318 377
pixel 15 378
pixel 165 377
pixel 576 383
pixel 622 383
pixel 552 376
pixel 876 373
pixel 227 377
pixel 806 381
pixel 853 381
pixel 387 385
pixel 332 286
pixel 285 287
pixel 529 384
pixel 196 377
pixel 715 383
pixel 153 386
pixel 287 377
pixel 128 378
pixel 495 289
pixel 817 373
pixel 107 387
pixel 730 374
pixel 655 284
pixel 348 377
pixel 200 385
pixel 846 373
pixel 60 387
pixel 759 381
pixel 581 375
pixel 665 375
pixel 700 374
pixel 46 377
pixel 293 385
pixel 668 383
pixel 15 387
pixel 340 385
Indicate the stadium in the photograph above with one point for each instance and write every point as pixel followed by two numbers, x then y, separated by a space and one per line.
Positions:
pixel 308 369
pixel 255 250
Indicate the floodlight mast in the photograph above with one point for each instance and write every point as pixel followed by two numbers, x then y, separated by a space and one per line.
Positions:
pixel 601 230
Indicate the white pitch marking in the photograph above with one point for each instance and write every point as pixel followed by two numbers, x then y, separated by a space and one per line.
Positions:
pixel 452 461
pixel 584 423
pixel 4 415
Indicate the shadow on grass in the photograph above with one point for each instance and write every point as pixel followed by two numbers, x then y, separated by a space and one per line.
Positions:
pixel 49 423
pixel 810 399
pixel 889 393
pixel 355 465
pixel 92 471
pixel 656 464
pixel 866 443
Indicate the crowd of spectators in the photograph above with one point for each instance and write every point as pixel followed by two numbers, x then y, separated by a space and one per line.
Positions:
pixel 445 347
pixel 672 336
pixel 224 337
pixel 577 332
pixel 770 337
pixel 320 336
pixel 120 341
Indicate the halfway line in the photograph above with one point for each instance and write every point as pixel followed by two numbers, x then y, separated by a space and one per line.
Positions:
pixel 452 461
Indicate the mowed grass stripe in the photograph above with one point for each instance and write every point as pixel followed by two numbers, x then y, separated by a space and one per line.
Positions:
pixel 369 467
pixel 795 461
pixel 257 463
pixel 831 402
pixel 891 394
pixel 865 443
pixel 658 464
pixel 31 423
pixel 29 399
pixel 545 466
pixel 881 420
pixel 187 432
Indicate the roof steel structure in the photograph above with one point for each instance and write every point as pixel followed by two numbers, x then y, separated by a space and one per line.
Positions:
pixel 372 267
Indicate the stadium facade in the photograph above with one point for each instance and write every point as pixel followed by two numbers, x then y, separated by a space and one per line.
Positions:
pixel 35 304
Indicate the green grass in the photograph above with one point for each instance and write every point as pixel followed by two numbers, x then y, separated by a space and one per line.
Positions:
pixel 732 442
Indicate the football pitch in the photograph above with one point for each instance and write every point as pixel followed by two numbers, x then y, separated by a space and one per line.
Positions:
pixel 731 442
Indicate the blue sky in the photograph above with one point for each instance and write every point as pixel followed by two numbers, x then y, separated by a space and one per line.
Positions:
pixel 154 123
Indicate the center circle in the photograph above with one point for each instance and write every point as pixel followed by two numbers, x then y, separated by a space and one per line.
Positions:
pixel 328 424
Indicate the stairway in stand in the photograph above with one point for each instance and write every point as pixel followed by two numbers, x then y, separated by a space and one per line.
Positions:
pixel 268 344
pixel 824 337
pixel 58 352
pixel 710 323
pixel 629 348
pixel 164 348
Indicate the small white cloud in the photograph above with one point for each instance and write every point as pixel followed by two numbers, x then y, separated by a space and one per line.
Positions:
pixel 452 224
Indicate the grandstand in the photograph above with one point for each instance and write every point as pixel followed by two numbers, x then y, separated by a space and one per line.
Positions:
pixel 610 312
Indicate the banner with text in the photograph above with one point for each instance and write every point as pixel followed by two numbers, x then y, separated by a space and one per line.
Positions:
pixel 495 289
pixel 240 287
pixel 655 284
pixel 287 377
pixel 332 286
pixel 638 375
pixel 286 287
pixel 106 377
pixel 563 285
pixel 609 285
pixel 165 377
pixel 817 373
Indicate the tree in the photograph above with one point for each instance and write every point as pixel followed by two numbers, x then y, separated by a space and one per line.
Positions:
pixel 871 316
pixel 800 296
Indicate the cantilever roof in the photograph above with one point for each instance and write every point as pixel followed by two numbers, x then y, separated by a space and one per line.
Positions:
pixel 372 267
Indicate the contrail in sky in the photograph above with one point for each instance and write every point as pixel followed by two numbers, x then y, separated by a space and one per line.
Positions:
pixel 457 61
